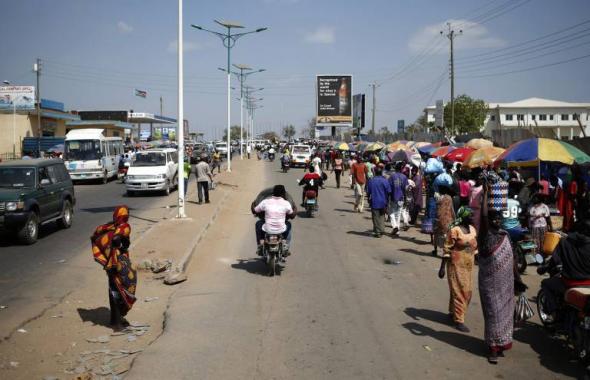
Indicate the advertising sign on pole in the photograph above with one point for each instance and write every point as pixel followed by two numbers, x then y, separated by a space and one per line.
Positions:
pixel 19 97
pixel 334 100
pixel 439 115
pixel 358 112
pixel 401 126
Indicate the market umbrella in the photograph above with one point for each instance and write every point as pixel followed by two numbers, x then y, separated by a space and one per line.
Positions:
pixel 442 151
pixel 420 144
pixel 483 157
pixel 361 147
pixel 405 155
pixel 394 146
pixel 341 146
pixel 427 149
pixel 479 143
pixel 531 151
pixel 459 154
pixel 374 147
pixel 59 148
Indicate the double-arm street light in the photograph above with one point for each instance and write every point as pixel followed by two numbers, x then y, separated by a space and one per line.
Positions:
pixel 229 40
pixel 251 105
pixel 243 73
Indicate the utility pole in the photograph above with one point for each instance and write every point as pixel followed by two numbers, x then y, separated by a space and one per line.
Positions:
pixel 451 34
pixel 374 85
pixel 37 69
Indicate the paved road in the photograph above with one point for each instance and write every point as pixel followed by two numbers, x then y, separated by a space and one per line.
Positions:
pixel 36 277
pixel 348 306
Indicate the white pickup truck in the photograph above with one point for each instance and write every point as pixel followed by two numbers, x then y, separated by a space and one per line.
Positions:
pixel 301 155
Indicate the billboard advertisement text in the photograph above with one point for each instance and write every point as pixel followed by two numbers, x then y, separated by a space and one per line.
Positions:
pixel 19 97
pixel 334 100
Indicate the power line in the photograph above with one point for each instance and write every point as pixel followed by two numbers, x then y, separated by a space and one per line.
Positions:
pixel 529 68
pixel 492 16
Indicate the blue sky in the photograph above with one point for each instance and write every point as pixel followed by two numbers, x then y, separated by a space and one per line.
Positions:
pixel 96 52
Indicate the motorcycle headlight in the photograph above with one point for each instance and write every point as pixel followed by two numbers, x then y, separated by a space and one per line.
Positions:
pixel 13 206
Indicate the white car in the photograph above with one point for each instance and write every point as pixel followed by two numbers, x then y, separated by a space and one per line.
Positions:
pixel 221 147
pixel 153 170
pixel 301 155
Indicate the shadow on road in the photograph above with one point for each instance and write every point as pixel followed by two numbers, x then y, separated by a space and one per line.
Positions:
pixel 368 233
pixel 553 352
pixel 414 240
pixel 345 210
pixel 416 252
pixel 98 316
pixel 430 315
pixel 254 266
pixel 462 341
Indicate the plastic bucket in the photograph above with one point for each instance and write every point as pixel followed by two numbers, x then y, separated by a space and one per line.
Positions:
pixel 551 241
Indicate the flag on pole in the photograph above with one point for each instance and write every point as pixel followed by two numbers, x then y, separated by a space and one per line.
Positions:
pixel 140 93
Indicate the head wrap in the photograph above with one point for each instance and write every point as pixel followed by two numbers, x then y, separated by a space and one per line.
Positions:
pixel 462 214
pixel 121 215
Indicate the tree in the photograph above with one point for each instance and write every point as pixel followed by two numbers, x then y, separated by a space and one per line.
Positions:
pixel 385 135
pixel 469 115
pixel 288 132
pixel 309 130
pixel 272 136
pixel 234 133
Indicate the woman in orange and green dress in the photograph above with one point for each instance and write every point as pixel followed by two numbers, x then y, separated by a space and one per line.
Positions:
pixel 110 244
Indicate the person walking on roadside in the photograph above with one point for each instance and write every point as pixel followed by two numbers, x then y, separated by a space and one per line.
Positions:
pixel 398 183
pixel 378 192
pixel 186 174
pixel 337 169
pixel 358 171
pixel 110 244
pixel 248 150
pixel 216 162
pixel 497 281
pixel 417 195
pixel 445 214
pixel 459 253
pixel 204 177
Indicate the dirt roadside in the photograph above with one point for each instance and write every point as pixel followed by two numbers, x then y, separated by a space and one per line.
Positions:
pixel 73 339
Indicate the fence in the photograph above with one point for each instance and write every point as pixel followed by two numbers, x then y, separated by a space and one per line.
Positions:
pixel 9 157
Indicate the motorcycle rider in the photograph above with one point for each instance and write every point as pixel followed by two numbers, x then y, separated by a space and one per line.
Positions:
pixel 271 153
pixel 573 254
pixel 285 160
pixel 311 182
pixel 273 213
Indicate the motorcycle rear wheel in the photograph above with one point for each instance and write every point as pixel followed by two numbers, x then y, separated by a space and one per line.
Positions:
pixel 272 265
pixel 544 316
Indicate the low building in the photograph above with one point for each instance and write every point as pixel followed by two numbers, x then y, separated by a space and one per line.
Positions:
pixel 508 122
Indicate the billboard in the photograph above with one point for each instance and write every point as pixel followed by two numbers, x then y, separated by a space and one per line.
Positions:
pixel 334 100
pixel 19 97
pixel 104 115
pixel 401 126
pixel 358 112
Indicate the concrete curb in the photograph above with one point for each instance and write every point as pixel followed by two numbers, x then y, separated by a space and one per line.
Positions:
pixel 188 255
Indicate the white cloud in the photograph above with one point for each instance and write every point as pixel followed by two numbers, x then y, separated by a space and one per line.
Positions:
pixel 322 35
pixel 124 27
pixel 187 46
pixel 475 36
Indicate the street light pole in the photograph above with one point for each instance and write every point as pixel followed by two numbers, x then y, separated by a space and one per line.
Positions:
pixel 180 134
pixel 229 41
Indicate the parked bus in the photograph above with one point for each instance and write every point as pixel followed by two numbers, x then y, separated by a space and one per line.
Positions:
pixel 89 155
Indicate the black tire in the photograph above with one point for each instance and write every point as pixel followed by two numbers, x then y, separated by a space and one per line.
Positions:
pixel 271 264
pixel 309 212
pixel 167 189
pixel 105 178
pixel 30 231
pixel 175 183
pixel 66 215
pixel 541 299
pixel 521 263
pixel 130 193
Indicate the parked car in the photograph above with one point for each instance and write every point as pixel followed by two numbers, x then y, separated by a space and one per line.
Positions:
pixel 32 193
pixel 153 170
pixel 301 155
pixel 221 147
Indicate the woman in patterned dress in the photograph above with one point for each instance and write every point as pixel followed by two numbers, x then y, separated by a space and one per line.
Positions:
pixel 110 243
pixel 539 221
pixel 458 257
pixel 445 215
pixel 496 281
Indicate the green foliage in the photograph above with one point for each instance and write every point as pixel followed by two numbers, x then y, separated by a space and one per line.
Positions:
pixel 234 133
pixel 469 115
pixel 272 136
pixel 288 132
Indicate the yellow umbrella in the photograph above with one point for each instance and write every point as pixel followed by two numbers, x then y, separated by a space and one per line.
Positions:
pixel 395 146
pixel 479 143
pixel 483 157
pixel 341 146
pixel 375 147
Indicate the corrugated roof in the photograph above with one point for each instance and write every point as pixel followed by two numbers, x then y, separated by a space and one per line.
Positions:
pixel 118 124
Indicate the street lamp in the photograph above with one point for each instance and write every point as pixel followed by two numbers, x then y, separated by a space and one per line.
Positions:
pixel 229 41
pixel 251 105
pixel 248 91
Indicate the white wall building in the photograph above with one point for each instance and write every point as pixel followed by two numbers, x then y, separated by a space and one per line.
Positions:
pixel 541 117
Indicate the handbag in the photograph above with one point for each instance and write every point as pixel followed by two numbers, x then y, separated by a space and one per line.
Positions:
pixel 522 309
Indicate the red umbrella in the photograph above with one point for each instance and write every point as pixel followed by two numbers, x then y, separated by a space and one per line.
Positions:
pixel 460 154
pixel 441 152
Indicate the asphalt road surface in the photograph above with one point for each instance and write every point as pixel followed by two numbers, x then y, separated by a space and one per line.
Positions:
pixel 347 306
pixel 35 277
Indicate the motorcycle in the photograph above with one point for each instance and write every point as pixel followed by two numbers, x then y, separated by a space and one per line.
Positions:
pixel 271 157
pixel 285 165
pixel 273 252
pixel 310 203
pixel 572 316
pixel 122 172
pixel 525 250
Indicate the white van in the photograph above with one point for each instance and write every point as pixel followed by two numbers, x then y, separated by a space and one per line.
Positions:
pixel 301 155
pixel 153 170
pixel 89 155
pixel 221 147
